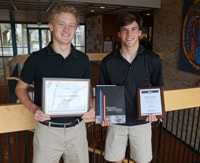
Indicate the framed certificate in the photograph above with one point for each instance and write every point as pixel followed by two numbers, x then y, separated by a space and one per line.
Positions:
pixel 150 101
pixel 65 97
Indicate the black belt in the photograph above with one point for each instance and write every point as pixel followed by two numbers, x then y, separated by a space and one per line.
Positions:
pixel 62 125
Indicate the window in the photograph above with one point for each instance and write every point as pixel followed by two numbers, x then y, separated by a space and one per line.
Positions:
pixel 31 37
pixel 79 38
pixel 21 38
pixel 6 40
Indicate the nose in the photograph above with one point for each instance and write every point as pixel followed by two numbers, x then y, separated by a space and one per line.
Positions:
pixel 66 28
pixel 129 32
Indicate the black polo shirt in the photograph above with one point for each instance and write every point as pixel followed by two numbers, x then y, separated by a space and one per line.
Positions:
pixel 144 71
pixel 48 64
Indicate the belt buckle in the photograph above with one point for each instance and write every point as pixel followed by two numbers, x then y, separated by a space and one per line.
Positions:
pixel 65 126
pixel 49 124
pixel 75 122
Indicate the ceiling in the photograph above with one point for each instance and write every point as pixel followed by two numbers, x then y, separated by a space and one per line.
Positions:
pixel 83 7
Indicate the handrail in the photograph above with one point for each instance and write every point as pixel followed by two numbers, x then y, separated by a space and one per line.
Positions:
pixel 182 98
pixel 18 118
pixel 15 117
pixel 17 79
pixel 96 56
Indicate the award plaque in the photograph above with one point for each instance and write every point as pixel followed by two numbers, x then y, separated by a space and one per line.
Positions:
pixel 65 97
pixel 150 100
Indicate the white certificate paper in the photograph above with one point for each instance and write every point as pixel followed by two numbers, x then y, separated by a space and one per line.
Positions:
pixel 65 97
pixel 150 101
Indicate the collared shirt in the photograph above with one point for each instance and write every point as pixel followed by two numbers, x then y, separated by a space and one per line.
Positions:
pixel 144 71
pixel 46 63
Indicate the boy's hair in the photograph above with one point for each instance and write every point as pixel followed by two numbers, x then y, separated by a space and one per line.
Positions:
pixel 128 18
pixel 61 7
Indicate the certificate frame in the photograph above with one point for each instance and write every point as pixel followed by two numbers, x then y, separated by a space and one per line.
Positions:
pixel 65 97
pixel 150 100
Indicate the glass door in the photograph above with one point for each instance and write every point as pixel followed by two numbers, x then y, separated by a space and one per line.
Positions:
pixel 38 38
pixel 45 37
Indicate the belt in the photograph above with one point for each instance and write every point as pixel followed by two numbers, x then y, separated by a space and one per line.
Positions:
pixel 62 125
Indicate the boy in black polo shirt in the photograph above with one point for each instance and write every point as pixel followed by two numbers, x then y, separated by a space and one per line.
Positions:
pixel 132 66
pixel 63 136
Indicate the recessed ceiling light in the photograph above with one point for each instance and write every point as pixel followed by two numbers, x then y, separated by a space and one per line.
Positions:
pixel 102 7
pixel 91 10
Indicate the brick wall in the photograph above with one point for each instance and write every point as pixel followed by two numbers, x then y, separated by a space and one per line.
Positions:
pixel 167 36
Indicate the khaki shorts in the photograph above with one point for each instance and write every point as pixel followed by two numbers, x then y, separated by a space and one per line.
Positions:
pixel 52 143
pixel 139 138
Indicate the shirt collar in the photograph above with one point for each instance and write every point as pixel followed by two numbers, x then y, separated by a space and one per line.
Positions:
pixel 140 51
pixel 52 52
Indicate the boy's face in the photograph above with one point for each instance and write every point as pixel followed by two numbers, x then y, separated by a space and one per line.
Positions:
pixel 63 27
pixel 130 34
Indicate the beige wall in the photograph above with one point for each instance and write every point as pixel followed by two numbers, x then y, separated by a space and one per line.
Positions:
pixel 167 35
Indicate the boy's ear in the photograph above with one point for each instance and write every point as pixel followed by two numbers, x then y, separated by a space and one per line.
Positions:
pixel 118 34
pixel 50 27
pixel 140 33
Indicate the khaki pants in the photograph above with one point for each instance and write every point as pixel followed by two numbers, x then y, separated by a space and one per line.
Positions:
pixel 139 137
pixel 52 143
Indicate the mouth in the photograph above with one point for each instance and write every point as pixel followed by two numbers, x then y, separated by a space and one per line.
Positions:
pixel 130 39
pixel 66 36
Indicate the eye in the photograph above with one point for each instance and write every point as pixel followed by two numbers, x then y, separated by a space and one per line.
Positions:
pixel 123 29
pixel 72 26
pixel 61 24
pixel 134 29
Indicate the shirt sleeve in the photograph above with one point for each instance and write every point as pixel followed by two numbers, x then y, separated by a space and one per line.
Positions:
pixel 27 73
pixel 157 76
pixel 104 77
